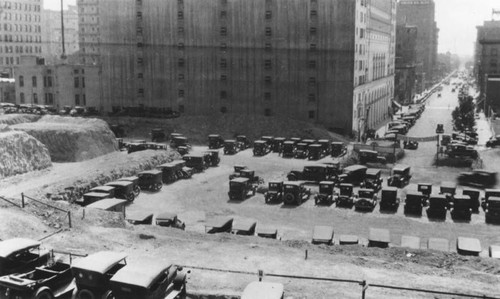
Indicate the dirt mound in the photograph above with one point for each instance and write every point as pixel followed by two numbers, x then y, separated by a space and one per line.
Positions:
pixel 197 128
pixel 21 153
pixel 12 119
pixel 72 139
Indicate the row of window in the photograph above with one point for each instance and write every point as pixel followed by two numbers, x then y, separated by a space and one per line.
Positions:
pixel 21 49
pixel 20 39
pixel 21 27
pixel 9 60
pixel 19 6
pixel 7 16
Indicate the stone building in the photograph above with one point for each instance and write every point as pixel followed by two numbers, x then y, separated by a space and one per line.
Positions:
pixel 406 56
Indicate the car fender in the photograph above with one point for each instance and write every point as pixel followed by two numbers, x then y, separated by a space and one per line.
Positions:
pixel 179 280
pixel 42 290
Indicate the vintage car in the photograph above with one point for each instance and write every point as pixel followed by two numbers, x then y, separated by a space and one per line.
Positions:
pixel 475 199
pixel 174 170
pixel 479 178
pixel 413 203
pixel 237 171
pixel 263 290
pixel 196 162
pixel 462 208
pixel 274 192
pixel 322 234
pixel 218 224
pixel 372 179
pixel 346 196
pixel 261 148
pixel 400 176
pixel 243 142
pixel 316 152
pixel 250 175
pixel 294 193
pixel 109 204
pixel 150 180
pixel 493 141
pixel 136 147
pixel 135 183
pixel 139 217
pixel 301 150
pixel 158 135
pixel 354 174
pixel 212 158
pixel 123 190
pixel 91 197
pixel 440 127
pixel 487 194
pixel 410 144
pixel 266 232
pixel 369 156
pixel 215 141
pixel 438 206
pixel 244 227
pixel 492 210
pixel 93 273
pixel 365 200
pixel 177 141
pixel 269 141
pixel 454 150
pixel 230 147
pixel 19 255
pixel 389 200
pixel 168 219
pixel 326 193
pixel 241 188
pixel 338 149
pixel 45 282
pixel 148 279
pixel 379 237
pixel 449 189
pixel 288 149
pixel 325 145
pixel 314 173
pixel 277 144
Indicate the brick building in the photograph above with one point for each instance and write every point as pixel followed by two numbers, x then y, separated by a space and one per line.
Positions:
pixel 406 57
pixel 487 57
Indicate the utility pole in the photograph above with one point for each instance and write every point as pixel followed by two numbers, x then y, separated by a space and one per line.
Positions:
pixel 63 55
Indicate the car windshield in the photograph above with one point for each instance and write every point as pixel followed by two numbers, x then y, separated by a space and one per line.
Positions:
pixel 273 186
pixel 290 187
pixel 365 194
pixel 235 184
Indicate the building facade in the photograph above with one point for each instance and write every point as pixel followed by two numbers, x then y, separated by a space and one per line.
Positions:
pixel 52 33
pixel 89 17
pixel 58 85
pixel 301 59
pixel 20 32
pixel 406 56
pixel 421 14
pixel 487 59
pixel 7 90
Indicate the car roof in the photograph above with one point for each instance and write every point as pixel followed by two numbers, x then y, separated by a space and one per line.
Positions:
pixel 289 142
pixel 494 198
pixel 294 183
pixel 337 143
pixel 346 185
pixel 97 194
pixel 214 135
pixel 243 224
pixel 316 165
pixel 180 137
pixel 106 203
pixel 152 171
pixel 259 141
pixel 324 140
pixel 365 190
pixel 326 183
pixel 491 190
pixel 441 196
pixel 367 151
pixel 192 156
pixel 462 197
pixel 495 251
pixel 354 167
pixel 239 180
pixel 218 221
pixel 323 232
pixel 400 167
pixel 103 188
pixel 141 274
pixel 414 193
pixel 99 262
pixel 229 140
pixel 138 215
pixel 263 290
pixel 279 138
pixel 315 145
pixel 373 171
pixel 275 182
pixel 14 245
pixel 119 183
pixel 166 216
pixel 266 230
pixel 392 189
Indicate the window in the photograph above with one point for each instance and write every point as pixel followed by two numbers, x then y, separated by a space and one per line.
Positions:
pixel 223 63
pixel 223 78
pixel 311 80
pixel 180 46
pixel 314 13
pixel 180 2
pixel 180 93
pixel 45 85
pixel 267 112
pixel 223 31
pixel 140 60
pixel 267 64
pixel 312 30
pixel 312 47
pixel 77 82
pixel 180 62
pixel 311 64
pixel 21 97
pixel 35 98
pixel 33 79
pixel 269 14
pixel 138 30
pixel 140 75
pixel 312 114
pixel 311 97
pixel 84 100
pixel 267 79
pixel 361 33
pixel 180 30
pixel 21 81
pixel 223 14
pixel 268 47
pixel 269 31
pixel 49 81
pixel 223 94
pixel 223 47
pixel 267 96
pixel 83 82
pixel 180 77
pixel 180 15
pixel 77 100
pixel 51 99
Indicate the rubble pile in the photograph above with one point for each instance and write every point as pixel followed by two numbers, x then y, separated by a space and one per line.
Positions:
pixel 12 119
pixel 21 153
pixel 72 139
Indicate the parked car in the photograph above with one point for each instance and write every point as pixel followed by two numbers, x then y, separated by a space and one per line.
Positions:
pixel 168 219
pixel 277 144
pixel 150 180
pixel 261 148
pixel 109 204
pixel 158 135
pixel 487 194
pixel 354 174
pixel 177 141
pixel 148 279
pixel 314 173
pixel 440 127
pixel 479 178
pixel 230 147
pixel 325 145
pixel 301 151
pixel 274 192
pixel 243 142
pixel 123 190
pixel 196 162
pixel 136 147
pixel 237 171
pixel 135 184
pixel 366 200
pixel 316 152
pixel 174 171
pixel 212 158
pixel 438 206
pixel 346 196
pixel 215 141
pixel 454 150
pixel 288 149
pixel 413 203
pixel 219 224
pixel 369 156
pixel 91 197
pixel 93 273
pixel 462 208
pixel 493 141
pixel 400 176
pixel 241 188
pixel 45 282
pixel 475 199
pixel 372 179
pixel 326 193
pixel 295 193
pixel 338 149
pixel 250 175
pixel 389 200
pixel 244 227
pixel 19 255
pixel 410 144
pixel 139 218
pixel 492 210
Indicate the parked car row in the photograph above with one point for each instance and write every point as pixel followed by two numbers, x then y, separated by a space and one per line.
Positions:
pixel 28 271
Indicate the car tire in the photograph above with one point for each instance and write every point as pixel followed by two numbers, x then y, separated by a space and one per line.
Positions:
pixel 44 294
pixel 130 197
pixel 289 198
pixel 108 295
pixel 85 294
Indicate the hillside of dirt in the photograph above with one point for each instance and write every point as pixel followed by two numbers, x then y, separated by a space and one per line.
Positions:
pixel 71 139
pixel 227 125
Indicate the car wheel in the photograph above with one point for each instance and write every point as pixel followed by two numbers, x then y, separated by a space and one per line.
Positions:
pixel 85 294
pixel 289 198
pixel 44 294
pixel 130 197
pixel 108 295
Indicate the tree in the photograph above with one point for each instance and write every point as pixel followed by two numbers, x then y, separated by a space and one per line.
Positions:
pixel 463 115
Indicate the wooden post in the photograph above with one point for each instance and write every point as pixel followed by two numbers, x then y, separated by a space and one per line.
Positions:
pixel 22 200
pixel 69 219
pixel 306 254
pixel 83 214
pixel 363 291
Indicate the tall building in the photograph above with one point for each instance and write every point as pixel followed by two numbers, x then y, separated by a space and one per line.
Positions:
pixel 20 31
pixel 59 84
pixel 52 33
pixel 324 61
pixel 421 13
pixel 406 57
pixel 487 58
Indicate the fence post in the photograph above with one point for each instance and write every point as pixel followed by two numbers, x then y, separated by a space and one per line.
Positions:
pixel 261 274
pixel 69 219
pixel 22 200
pixel 363 291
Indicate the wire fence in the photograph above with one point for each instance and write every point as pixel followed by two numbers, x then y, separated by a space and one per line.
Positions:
pixel 66 213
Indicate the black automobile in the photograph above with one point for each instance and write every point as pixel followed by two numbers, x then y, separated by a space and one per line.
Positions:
pixel 274 192
pixel 197 162
pixel 475 196
pixel 316 152
pixel 389 200
pixel 230 147
pixel 400 176
pixel 158 135
pixel 493 142
pixel 346 196
pixel 462 208
pixel 369 156
pixel 277 144
pixel 338 149
pixel 410 144
pixel 354 174
pixel 215 141
pixel 178 141
pixel 365 200
pixel 243 142
pixel 438 206
pixel 288 149
pixel 413 203
pixel 150 180
pixel 295 193
pixel 326 193
pixel 372 179
pixel 19 255
pixel 301 151
pixel 240 189
pixel 478 178
pixel 212 157
pixel 261 148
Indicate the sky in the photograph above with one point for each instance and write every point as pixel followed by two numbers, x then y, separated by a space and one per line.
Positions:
pixel 456 20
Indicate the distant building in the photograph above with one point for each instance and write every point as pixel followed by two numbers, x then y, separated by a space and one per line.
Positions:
pixel 406 57
pixel 7 90
pixel 487 58
pixel 323 61
pixel 421 14
pixel 20 32
pixel 59 85
pixel 52 33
